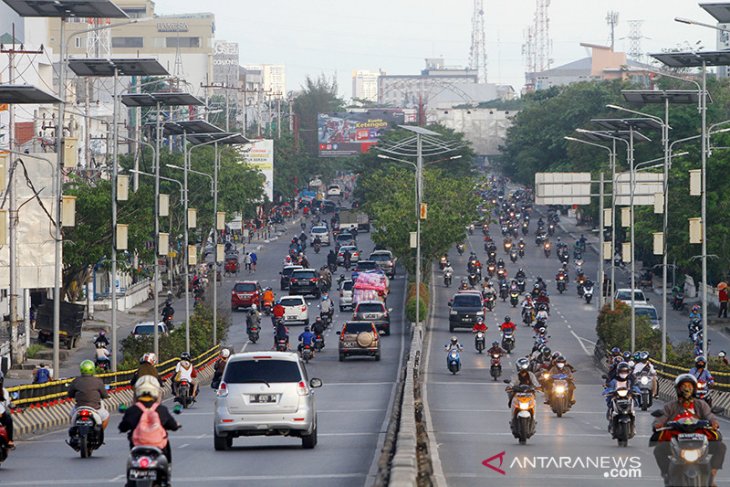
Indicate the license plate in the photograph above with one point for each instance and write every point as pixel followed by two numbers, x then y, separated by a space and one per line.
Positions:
pixel 291 318
pixel 690 436
pixel 370 316
pixel 142 474
pixel 263 398
pixel 466 320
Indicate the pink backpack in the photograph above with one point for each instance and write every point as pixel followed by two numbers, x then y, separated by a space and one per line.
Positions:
pixel 149 430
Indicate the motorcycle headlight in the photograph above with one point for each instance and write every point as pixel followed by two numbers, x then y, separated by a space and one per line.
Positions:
pixel 644 381
pixel 560 389
pixel 454 312
pixel 524 405
pixel 622 392
pixel 691 456
pixel 546 375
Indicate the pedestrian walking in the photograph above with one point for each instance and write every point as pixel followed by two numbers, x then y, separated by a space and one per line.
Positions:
pixel 723 295
pixel 254 258
pixel 247 262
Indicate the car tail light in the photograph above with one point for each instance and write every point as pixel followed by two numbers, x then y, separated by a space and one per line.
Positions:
pixel 222 390
pixel 292 280
pixel 304 308
pixel 342 335
pixel 314 279
pixel 302 389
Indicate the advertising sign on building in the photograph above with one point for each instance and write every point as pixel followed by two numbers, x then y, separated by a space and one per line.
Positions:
pixel 350 134
pixel 225 63
pixel 261 156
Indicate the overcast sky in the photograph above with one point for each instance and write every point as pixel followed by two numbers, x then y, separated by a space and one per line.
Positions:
pixel 336 36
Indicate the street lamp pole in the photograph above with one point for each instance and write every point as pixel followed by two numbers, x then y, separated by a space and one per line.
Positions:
pixel 703 100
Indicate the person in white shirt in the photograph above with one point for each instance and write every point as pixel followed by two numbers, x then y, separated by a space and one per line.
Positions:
pixel 643 365
pixel 185 370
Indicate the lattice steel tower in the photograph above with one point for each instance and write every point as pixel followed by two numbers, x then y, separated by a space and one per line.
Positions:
pixel 478 52
pixel 635 38
pixel 543 44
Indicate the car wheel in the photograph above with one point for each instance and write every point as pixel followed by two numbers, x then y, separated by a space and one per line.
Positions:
pixel 306 322
pixel 342 309
pixel 221 443
pixel 310 441
pixel 233 309
pixel 342 357
pixel 387 331
pixel 377 357
pixel 451 328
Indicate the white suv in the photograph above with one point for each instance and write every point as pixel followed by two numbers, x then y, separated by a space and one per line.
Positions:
pixel 296 309
pixel 265 394
pixel 625 296
pixel 322 233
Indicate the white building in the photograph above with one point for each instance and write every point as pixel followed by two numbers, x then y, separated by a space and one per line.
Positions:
pixel 365 84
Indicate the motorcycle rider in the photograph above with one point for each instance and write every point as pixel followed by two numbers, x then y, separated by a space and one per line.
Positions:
pixel 219 366
pixel 642 365
pixel 700 372
pixel 147 366
pixel 544 299
pixel 5 417
pixel 318 328
pixel 464 284
pixel 281 333
pixel 331 259
pixel 306 338
pixel 102 355
pixel 500 263
pixel 268 298
pixel 167 311
pixel 623 378
pixel 453 345
pixel 686 406
pixel 523 377
pixel 185 370
pixel 561 366
pixel 326 306
pixel 520 274
pixel 88 390
pixel 695 315
pixel 507 325
pixel 448 270
pixel 561 275
pixel 147 394
pixel 615 352
pixel 479 326
pixel 496 349
pixel 253 319
pixel 101 339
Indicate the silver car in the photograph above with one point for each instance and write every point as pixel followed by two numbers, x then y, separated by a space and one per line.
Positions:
pixel 346 294
pixel 265 394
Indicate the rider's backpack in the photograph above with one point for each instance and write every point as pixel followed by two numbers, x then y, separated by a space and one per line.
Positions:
pixel 149 430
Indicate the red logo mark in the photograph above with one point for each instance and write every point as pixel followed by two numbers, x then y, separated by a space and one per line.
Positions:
pixel 488 463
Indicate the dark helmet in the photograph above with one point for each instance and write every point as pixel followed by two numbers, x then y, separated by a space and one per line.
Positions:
pixel 185 356
pixel 615 351
pixel 643 356
pixel 623 368
pixel 507 319
pixel 306 328
pixel 556 355
pixel 546 352
pixel 700 361
pixel 495 344
pixel 627 356
pixel 560 359
pixel 681 379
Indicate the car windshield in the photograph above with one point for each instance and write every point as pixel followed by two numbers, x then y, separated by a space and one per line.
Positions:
pixel 343 237
pixel 370 308
pixel 347 285
pixel 467 300
pixel 288 270
pixel 380 257
pixel 349 248
pixel 304 275
pixel 626 296
pixel 319 230
pixel 648 312
pixel 366 266
pixel 291 301
pixel 145 329
pixel 259 371
pixel 358 327
pixel 244 287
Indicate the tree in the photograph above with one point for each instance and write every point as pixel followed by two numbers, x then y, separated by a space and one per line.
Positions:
pixel 317 96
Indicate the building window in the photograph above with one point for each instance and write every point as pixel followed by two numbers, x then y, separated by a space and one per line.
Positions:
pixel 135 12
pixel 78 42
pixel 126 42
pixel 175 42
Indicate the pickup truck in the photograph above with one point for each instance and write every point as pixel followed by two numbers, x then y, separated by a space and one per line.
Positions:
pixel 72 317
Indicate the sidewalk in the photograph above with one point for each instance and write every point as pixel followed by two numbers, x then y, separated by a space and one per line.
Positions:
pixel 69 359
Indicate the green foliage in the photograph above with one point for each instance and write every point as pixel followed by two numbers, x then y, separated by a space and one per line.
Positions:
pixel 613 327
pixel 317 96
pixel 173 344
pixel 33 350
pixel 411 309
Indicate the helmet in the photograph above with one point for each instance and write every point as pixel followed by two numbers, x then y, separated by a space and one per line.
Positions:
pixel 556 355
pixel 507 319
pixel 225 353
pixel 102 333
pixel 627 356
pixel 722 354
pixel 643 356
pixel 615 351
pixel 528 295
pixel 520 268
pixel 546 351
pixel 87 367
pixel 318 318
pixel 150 358
pixel 480 319
pixel 618 359
pixel 147 386
pixel 454 340
pixel 623 368
pixel 681 379
pixel 253 307
pixel 696 308
pixel 306 328
pixel 541 330
pixel 522 364
pixel 185 356
pixel 495 344
pixel 700 361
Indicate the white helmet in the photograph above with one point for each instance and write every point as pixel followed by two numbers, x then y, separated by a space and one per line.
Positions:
pixel 225 353
pixel 253 307
pixel 147 385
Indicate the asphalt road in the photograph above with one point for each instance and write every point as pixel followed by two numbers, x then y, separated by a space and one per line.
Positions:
pixel 468 418
pixel 352 407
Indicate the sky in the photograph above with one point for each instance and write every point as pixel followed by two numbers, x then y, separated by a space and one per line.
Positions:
pixel 334 37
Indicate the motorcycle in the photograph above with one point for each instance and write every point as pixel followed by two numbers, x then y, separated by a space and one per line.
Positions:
pixel 689 463
pixel 503 292
pixel 453 361
pixel 560 395
pixel 551 229
pixel 317 247
pixel 588 293
pixel 621 417
pixel 473 279
pixel 561 284
pixel 528 316
pixel 495 367
pixel 513 255
pixel 470 228
pixel 460 248
pixel 184 394
pixel 318 343
pixel 678 302
pixel 306 353
pixel 523 412
pixel 253 334
pixel 514 298
pixel 507 247
pixel 703 392
pixel 564 257
pixel 525 228
pixel 442 262
pixel 447 278
pixel 491 269
pixel 85 434
pixel 508 340
pixel 4 439
pixel 489 302
pixel 147 466
pixel 547 249
pixel 645 381
pixel 281 345
pixel 479 341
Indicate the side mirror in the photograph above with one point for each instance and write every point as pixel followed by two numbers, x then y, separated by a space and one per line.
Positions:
pixel 658 413
pixel 315 382
pixel 177 409
pixel 604 377
pixel 122 408
pixel 507 381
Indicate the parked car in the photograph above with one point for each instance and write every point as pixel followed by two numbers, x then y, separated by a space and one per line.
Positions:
pixel 359 338
pixel 385 260
pixel 625 296
pixel 650 312
pixel 296 309
pixel 245 294
pixel 346 294
pixel 375 312
pixel 465 308
pixel 265 394
pixel 147 328
pixel 286 274
pixel 334 190
pixel 354 254
pixel 321 232
pixel 304 282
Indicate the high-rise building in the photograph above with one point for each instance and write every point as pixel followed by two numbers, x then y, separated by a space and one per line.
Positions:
pixel 275 79
pixel 365 84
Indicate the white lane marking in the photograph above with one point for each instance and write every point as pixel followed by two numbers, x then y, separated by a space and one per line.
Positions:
pixel 184 446
pixel 244 346
pixel 117 478
pixel 580 341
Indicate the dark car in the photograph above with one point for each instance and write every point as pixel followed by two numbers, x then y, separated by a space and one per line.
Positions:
pixel 244 294
pixel 286 274
pixel 359 338
pixel 465 307
pixel 304 282
pixel 329 206
pixel 375 312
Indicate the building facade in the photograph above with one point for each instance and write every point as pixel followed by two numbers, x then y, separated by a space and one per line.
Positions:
pixel 365 84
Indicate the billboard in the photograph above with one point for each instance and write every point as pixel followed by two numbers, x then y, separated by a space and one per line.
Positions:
pixel 261 157
pixel 353 133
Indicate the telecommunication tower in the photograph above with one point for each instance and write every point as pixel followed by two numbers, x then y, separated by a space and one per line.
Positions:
pixel 478 52
pixel 528 50
pixel 543 44
pixel 98 42
pixel 612 21
pixel 635 38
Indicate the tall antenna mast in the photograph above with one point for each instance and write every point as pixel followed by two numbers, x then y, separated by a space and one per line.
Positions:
pixel 635 38
pixel 478 52
pixel 612 21
pixel 543 44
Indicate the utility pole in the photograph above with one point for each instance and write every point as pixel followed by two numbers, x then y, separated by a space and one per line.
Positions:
pixel 15 349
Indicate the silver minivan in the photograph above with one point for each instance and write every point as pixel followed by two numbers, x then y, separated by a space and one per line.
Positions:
pixel 265 394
